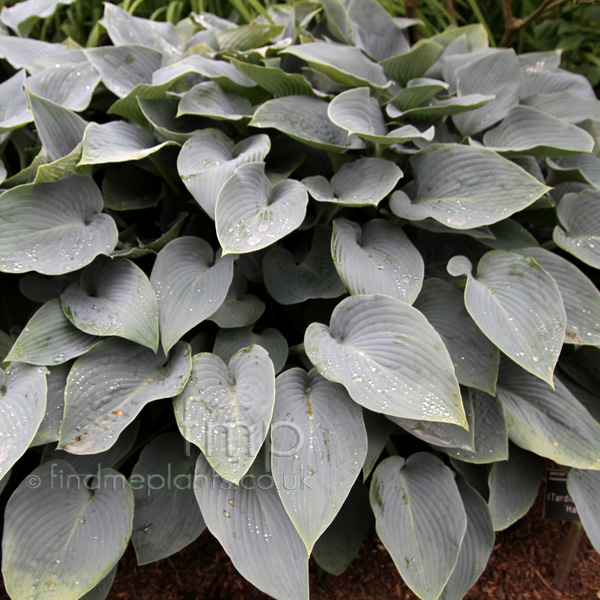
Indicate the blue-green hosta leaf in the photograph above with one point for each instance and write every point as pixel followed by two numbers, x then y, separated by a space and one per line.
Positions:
pixel 551 423
pixel 41 289
pixel 49 429
pixel 338 20
pixel 22 16
pixel 580 296
pixel 123 28
pixel 252 526
pixel 246 37
pixel 289 281
pixel 476 547
pixel 417 91
pixel 2 172
pixel 540 61
pixel 21 52
pixel 360 115
pixel 565 105
pixel 161 114
pixel 50 339
pixel 413 63
pixel 69 85
pixel 475 358
pixel 229 341
pixel 389 358
pixel 209 99
pixel 509 235
pixel 364 182
pixel 114 298
pixel 14 112
pixel 305 119
pixel 124 67
pixel 584 168
pixel 489 189
pixel 54 228
pixel 60 130
pixel 475 36
pixel 22 407
pixel 436 109
pixel 239 308
pixel 251 214
pixel 274 80
pixel 101 591
pixel 498 73
pixel 513 486
pixel 518 306
pixel 92 463
pixel 190 285
pixel 379 429
pixel 579 229
pixel 167 517
pixel 553 81
pixel 117 141
pixel 226 409
pixel 340 542
pixel 444 435
pixel 377 259
pixel 375 31
pixel 344 64
pixel 318 437
pixel 526 130
pixel 220 71
pixel 209 158
pixel 420 518
pixel 490 435
pixel 109 386
pixel 63 557
pixel 584 488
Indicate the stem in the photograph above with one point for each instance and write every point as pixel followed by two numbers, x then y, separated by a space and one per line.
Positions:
pixel 328 213
pixel 389 446
pixel 513 25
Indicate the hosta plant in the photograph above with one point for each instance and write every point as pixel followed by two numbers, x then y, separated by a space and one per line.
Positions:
pixel 280 279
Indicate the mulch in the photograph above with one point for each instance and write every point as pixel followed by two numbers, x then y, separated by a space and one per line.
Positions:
pixel 522 567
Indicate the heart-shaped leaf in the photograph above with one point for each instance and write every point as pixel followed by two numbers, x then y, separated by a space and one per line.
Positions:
pixel 21 17
pixel 579 217
pixel 108 387
pixel 476 547
pixel 513 486
pixel 526 130
pixel 114 297
pixel 50 339
pixel 226 409
pixel 252 526
pixel 229 341
pixel 304 119
pixel 550 423
pixel 167 517
pixel 377 259
pixel 239 308
pixel 518 306
pixel 209 158
pixel 364 182
pixel 412 63
pixel 65 556
pixel 319 439
pixel 475 358
pixel 117 141
pixel 420 518
pixel 341 541
pixel 22 407
pixel 580 296
pixel 14 112
pixel 209 99
pixel 251 214
pixel 54 228
pixel 289 281
pixel 489 189
pixel 376 347
pixel 190 285
pixel 359 114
